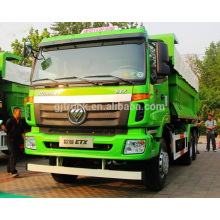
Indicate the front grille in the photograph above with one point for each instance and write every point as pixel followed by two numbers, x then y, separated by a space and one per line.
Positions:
pixel 48 115
pixel 28 113
pixel 99 147
pixel 140 112
pixel 91 131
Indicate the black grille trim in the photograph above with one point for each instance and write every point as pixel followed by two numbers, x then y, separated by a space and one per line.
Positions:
pixel 92 131
pixel 98 147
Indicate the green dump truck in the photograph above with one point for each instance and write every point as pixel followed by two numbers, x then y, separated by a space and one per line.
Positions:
pixel 14 91
pixel 111 103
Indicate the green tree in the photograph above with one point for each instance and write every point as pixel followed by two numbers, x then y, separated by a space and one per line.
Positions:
pixel 35 38
pixel 210 66
pixel 66 28
pixel 208 71
pixel 209 101
pixel 192 62
pixel 1 50
pixel 17 48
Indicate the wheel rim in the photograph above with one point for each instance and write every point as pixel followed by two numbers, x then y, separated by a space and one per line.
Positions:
pixel 163 163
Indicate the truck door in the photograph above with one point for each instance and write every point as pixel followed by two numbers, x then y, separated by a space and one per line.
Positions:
pixel 158 90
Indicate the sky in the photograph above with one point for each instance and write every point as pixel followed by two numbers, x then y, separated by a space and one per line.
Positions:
pixel 194 37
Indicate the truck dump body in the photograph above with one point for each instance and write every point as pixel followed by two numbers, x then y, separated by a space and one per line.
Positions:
pixel 183 83
pixel 14 91
pixel 14 85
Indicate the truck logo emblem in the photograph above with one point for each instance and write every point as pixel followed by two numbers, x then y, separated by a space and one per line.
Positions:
pixel 77 114
pixel 120 91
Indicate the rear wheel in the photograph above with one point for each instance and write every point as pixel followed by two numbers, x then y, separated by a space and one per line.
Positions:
pixel 157 169
pixel 62 178
pixel 186 159
pixel 194 147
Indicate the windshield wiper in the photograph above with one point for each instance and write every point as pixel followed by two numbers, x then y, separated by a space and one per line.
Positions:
pixel 76 77
pixel 116 77
pixel 53 80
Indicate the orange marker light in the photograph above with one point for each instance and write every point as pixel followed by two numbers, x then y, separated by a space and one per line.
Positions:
pixel 31 99
pixel 25 101
pixel 140 96
pixel 181 136
pixel 142 142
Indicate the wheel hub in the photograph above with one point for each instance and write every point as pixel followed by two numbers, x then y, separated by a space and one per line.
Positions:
pixel 163 163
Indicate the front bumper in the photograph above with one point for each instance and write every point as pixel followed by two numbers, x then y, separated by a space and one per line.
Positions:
pixel 115 153
pixel 118 174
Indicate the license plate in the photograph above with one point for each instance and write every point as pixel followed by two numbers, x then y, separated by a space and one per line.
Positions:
pixel 76 142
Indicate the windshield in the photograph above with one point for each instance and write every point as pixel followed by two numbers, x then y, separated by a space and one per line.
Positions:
pixel 123 60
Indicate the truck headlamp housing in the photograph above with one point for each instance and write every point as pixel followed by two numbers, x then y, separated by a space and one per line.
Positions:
pixel 135 147
pixel 30 143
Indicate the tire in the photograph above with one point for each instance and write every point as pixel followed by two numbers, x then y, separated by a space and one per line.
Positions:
pixel 194 147
pixel 5 152
pixel 62 178
pixel 157 169
pixel 186 159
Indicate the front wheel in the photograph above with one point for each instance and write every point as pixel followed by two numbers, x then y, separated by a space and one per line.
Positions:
pixel 194 147
pixel 157 169
pixel 62 178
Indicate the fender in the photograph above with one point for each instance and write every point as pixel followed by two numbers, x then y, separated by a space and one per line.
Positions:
pixel 165 120
pixel 156 136
pixel 188 129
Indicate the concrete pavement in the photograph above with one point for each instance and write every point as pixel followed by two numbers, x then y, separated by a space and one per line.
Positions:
pixel 199 180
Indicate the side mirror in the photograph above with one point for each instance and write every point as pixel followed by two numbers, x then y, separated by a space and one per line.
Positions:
pixel 162 59
pixel 27 48
pixel 46 63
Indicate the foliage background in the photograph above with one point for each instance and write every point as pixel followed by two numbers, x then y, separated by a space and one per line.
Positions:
pixel 208 72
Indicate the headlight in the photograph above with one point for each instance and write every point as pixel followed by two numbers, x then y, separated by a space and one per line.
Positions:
pixel 30 143
pixel 134 146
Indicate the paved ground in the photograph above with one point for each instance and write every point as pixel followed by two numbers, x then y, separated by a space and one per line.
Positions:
pixel 200 180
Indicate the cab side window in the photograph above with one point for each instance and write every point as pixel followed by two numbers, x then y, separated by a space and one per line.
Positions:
pixel 153 62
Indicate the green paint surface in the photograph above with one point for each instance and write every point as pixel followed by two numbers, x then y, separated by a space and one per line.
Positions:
pixel 7 195
pixel 182 100
pixel 94 34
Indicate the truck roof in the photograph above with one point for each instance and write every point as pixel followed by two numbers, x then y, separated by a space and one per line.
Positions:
pixel 10 56
pixel 139 32
pixel 170 39
pixel 13 72
pixel 6 56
